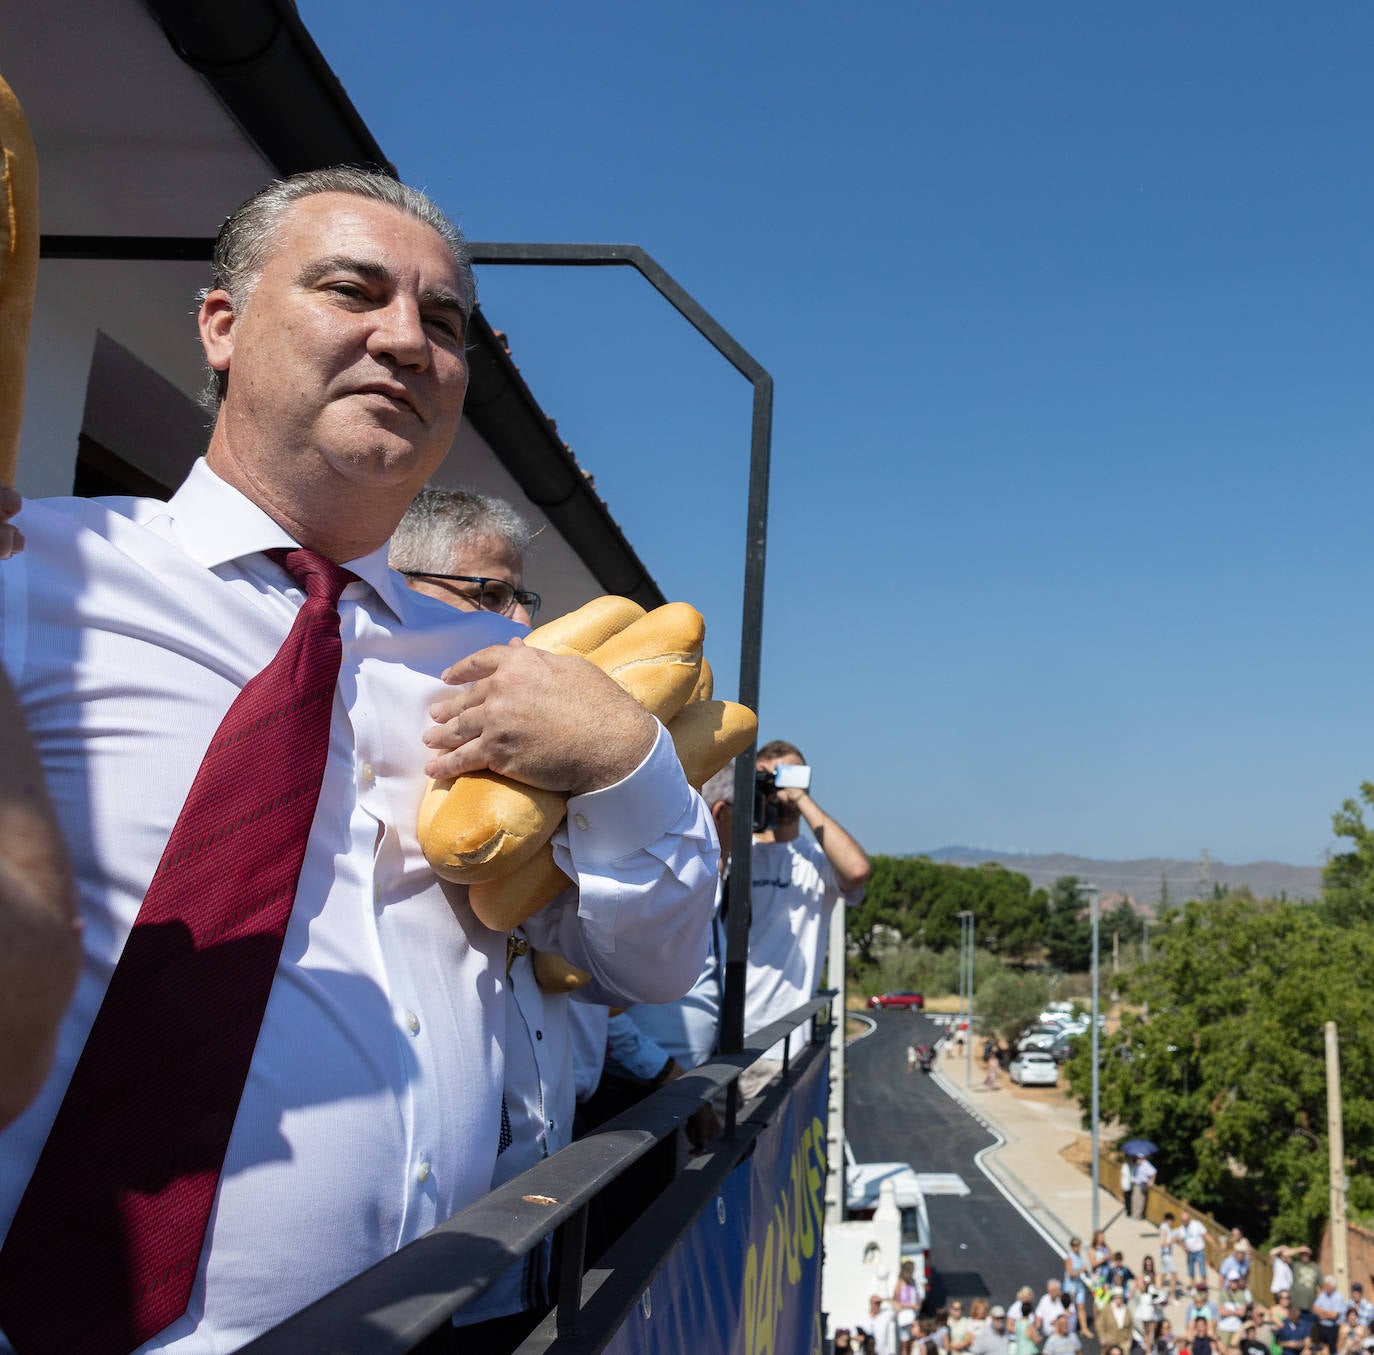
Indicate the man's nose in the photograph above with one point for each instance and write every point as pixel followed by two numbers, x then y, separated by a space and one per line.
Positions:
pixel 399 333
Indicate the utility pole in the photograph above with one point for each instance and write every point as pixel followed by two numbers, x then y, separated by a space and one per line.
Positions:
pixel 1116 952
pixel 1335 1135
pixel 1145 960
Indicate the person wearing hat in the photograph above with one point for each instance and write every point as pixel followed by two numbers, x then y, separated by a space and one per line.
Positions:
pixel 1307 1279
pixel 994 1338
pixel 1236 1262
pixel 1115 1323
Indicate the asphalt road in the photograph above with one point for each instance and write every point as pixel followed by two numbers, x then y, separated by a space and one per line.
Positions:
pixel 980 1243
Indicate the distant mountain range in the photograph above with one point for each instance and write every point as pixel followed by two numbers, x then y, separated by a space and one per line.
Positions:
pixel 1140 880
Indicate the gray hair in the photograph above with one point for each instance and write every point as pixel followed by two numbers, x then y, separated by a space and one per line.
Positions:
pixel 247 238
pixel 438 521
pixel 721 786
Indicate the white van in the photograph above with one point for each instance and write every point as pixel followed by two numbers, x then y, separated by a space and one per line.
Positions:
pixel 863 1181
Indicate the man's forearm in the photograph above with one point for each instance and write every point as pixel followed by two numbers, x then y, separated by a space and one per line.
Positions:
pixel 843 852
pixel 40 945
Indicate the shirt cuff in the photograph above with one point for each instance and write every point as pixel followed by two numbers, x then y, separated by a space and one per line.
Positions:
pixel 607 824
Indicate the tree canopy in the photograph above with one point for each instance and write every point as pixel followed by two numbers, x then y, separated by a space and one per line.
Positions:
pixel 1227 1074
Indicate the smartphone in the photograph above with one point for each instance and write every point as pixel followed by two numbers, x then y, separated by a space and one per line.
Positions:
pixel 789 777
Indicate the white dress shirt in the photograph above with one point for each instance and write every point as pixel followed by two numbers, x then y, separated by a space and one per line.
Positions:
pixel 792 893
pixel 372 1107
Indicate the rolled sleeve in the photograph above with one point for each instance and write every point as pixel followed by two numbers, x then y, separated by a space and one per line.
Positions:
pixel 644 856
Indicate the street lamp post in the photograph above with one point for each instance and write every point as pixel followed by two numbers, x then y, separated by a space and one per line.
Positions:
pixel 1091 891
pixel 966 988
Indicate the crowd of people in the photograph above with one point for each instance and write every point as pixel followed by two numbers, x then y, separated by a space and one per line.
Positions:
pixel 1102 1304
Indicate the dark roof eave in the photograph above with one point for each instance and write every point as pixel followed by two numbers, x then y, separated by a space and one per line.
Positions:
pixel 264 66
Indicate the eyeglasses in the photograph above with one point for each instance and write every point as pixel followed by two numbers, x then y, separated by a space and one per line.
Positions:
pixel 493 595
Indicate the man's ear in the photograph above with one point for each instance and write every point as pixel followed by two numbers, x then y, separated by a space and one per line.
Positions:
pixel 216 323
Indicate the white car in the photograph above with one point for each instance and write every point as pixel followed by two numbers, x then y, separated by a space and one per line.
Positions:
pixel 1034 1068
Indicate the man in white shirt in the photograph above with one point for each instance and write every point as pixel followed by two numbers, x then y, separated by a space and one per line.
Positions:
pixel 371 1112
pixel 1194 1246
pixel 1142 1178
pixel 795 884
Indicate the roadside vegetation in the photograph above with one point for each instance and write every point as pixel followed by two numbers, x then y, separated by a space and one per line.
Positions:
pixel 1217 1054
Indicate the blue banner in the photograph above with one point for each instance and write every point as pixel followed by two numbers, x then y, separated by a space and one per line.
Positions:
pixel 746 1277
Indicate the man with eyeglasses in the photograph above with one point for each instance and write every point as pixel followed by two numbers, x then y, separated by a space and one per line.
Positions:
pixel 466 549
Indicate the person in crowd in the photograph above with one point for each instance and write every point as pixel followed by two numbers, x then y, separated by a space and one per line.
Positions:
pixel 977 1315
pixel 1194 1246
pixel 1061 1341
pixel 1119 1274
pixel 883 1325
pixel 1307 1278
pixel 1127 1181
pixel 1076 1277
pixel 1099 1254
pixel 1280 1271
pixel 1328 1308
pixel 1200 1307
pixel 1278 1310
pixel 1143 1176
pixel 1115 1322
pixel 906 1299
pixel 1202 1339
pixel 1364 1308
pixel 795 884
pixel 911 1057
pixel 1165 1343
pixel 1026 1334
pixel 1236 1262
pixel 993 1338
pixel 1168 1262
pixel 1293 1333
pixel 342 1010
pixel 1232 1303
pixel 1052 1303
pixel 841 1343
pixel 959 1335
pixel 1147 1299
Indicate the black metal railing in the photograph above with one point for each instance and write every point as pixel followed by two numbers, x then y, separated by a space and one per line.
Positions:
pixel 391 1307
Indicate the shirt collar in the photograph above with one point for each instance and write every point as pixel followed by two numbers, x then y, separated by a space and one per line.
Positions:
pixel 217 523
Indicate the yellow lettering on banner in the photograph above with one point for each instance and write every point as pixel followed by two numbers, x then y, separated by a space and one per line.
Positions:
pixel 816 1177
pixel 801 1200
pixel 768 1299
pixel 751 1299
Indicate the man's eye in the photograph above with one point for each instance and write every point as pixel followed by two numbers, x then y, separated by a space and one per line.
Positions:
pixel 445 326
pixel 348 289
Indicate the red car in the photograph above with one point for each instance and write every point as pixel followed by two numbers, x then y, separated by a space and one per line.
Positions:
pixel 884 1000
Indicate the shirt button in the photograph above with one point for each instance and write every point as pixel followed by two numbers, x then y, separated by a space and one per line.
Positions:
pixel 369 776
pixel 580 821
pixel 413 1023
pixel 538 1034
pixel 422 1173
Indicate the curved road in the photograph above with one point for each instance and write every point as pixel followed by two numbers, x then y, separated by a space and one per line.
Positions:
pixel 980 1243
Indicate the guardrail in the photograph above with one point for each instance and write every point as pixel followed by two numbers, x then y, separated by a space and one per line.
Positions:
pixel 391 1307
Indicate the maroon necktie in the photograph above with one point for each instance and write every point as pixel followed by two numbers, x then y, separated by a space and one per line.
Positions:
pixel 106 1242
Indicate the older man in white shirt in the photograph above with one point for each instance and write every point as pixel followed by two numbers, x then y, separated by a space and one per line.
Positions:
pixel 372 1103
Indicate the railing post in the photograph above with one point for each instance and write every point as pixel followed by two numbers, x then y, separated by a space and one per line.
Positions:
pixel 574 1239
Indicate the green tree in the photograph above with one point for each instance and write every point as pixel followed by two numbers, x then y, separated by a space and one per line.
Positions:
pixel 1068 932
pixel 1227 1075
pixel 1348 877
pixel 1006 1002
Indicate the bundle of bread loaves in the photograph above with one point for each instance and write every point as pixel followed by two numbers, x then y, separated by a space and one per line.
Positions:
pixel 18 269
pixel 492 834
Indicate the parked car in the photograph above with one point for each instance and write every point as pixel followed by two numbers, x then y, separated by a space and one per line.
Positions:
pixel 1034 1068
pixel 882 1001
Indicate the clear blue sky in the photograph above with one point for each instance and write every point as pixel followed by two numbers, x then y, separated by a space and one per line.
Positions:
pixel 1070 309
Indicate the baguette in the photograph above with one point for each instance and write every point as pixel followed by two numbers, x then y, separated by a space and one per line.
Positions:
pixel 505 903
pixel 707 734
pixel 657 659
pixel 706 685
pixel 481 826
pixel 18 269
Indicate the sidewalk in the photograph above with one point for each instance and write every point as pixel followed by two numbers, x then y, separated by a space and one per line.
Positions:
pixel 1037 1124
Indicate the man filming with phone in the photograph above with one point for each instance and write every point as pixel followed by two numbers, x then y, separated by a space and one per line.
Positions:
pixel 795 882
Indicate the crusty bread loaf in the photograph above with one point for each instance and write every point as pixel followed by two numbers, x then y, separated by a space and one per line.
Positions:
pixel 18 269
pixel 486 825
pixel 707 734
pixel 483 825
pixel 706 684
pixel 554 974
pixel 506 902
pixel 583 630
pixel 657 659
